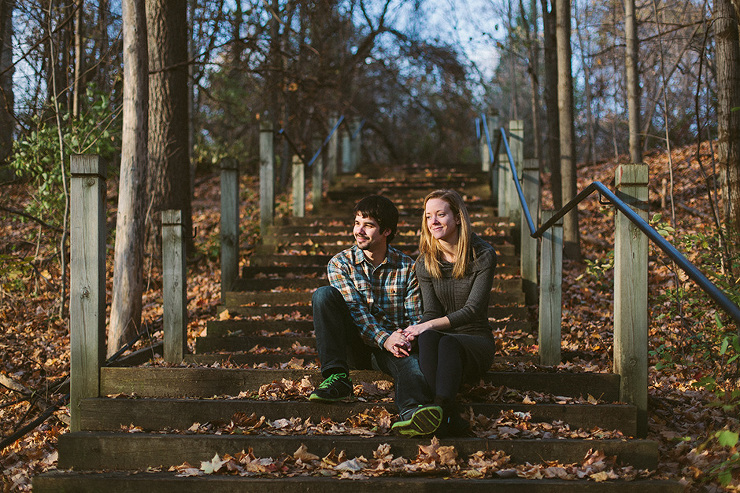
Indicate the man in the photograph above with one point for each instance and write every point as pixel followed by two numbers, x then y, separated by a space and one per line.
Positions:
pixel 358 319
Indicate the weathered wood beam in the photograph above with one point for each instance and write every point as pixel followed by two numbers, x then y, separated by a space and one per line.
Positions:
pixel 229 224
pixel 551 279
pixel 299 187
pixel 87 280
pixel 267 176
pixel 528 245
pixel 630 292
pixel 174 286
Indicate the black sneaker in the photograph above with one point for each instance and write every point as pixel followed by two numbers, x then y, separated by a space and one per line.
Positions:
pixel 424 421
pixel 336 387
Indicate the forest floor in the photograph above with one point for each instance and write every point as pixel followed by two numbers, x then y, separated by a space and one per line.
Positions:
pixel 693 396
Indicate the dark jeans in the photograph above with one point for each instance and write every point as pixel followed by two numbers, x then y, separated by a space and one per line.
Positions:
pixel 340 347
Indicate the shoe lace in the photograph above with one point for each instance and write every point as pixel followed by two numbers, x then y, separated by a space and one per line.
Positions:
pixel 331 379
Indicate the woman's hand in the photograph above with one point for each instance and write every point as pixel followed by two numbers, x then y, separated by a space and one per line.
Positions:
pixel 412 331
pixel 397 344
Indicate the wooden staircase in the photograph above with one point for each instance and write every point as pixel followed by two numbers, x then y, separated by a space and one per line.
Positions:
pixel 239 402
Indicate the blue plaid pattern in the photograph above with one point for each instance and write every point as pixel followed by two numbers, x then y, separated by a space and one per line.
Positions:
pixel 381 300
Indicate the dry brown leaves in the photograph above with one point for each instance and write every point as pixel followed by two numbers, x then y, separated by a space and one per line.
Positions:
pixel 433 459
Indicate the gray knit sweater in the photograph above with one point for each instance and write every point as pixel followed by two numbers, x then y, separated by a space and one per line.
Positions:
pixel 464 301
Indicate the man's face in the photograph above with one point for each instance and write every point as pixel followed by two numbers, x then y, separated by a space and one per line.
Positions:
pixel 367 233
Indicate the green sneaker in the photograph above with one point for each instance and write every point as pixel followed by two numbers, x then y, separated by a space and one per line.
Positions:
pixel 424 421
pixel 336 387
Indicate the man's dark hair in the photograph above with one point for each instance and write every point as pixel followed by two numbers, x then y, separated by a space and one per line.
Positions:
pixel 380 209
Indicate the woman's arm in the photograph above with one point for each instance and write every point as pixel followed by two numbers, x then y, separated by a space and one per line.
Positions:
pixel 476 306
pixel 433 316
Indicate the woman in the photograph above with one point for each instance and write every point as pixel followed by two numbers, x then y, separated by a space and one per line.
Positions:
pixel 455 272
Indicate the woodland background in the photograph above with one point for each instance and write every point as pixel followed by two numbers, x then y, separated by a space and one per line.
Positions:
pixel 418 73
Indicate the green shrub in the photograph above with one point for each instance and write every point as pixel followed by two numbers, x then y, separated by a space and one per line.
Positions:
pixel 36 157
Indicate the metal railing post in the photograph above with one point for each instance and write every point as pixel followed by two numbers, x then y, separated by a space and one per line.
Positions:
pixel 630 292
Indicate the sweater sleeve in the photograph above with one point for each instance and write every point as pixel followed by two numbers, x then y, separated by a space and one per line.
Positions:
pixel 431 306
pixel 476 306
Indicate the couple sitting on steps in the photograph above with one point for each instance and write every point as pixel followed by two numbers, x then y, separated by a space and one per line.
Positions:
pixel 371 315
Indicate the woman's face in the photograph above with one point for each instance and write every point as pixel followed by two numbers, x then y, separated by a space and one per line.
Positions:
pixel 441 222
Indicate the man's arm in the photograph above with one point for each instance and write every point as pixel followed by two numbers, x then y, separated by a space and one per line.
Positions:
pixel 341 276
pixel 412 302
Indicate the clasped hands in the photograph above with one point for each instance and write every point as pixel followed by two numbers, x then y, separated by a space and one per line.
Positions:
pixel 399 342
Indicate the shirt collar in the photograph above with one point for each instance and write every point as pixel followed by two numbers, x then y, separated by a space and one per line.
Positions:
pixel 392 256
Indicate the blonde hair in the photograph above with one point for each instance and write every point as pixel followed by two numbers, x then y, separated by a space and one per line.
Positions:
pixel 429 247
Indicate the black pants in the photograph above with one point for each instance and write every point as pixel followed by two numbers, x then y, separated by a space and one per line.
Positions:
pixel 340 347
pixel 442 361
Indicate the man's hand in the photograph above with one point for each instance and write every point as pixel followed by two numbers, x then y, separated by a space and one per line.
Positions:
pixel 397 344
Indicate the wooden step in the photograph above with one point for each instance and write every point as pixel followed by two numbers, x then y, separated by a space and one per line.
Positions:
pixel 291 260
pixel 410 249
pixel 207 382
pixel 238 298
pixel 500 285
pixel 282 358
pixel 220 328
pixel 94 450
pixel 263 271
pixel 244 307
pixel 168 482
pixel 245 343
pixel 404 231
pixel 103 414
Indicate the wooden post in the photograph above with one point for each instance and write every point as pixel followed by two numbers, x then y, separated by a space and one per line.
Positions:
pixel 493 130
pixel 516 144
pixel 317 178
pixel 267 176
pixel 484 154
pixel 504 180
pixel 551 295
pixel 331 151
pixel 229 224
pixel 630 293
pixel 299 187
pixel 531 190
pixel 174 292
pixel 356 143
pixel 346 150
pixel 87 280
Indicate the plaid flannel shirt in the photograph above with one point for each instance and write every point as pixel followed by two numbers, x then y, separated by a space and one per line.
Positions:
pixel 380 300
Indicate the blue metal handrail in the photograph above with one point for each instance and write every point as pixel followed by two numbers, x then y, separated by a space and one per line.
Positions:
pixel 326 141
pixel 690 269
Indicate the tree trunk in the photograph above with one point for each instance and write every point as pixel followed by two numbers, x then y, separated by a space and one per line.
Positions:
pixel 168 183
pixel 571 243
pixel 728 98
pixel 633 80
pixel 79 58
pixel 128 260
pixel 102 47
pixel 552 139
pixel 534 73
pixel 7 121
pixel 587 86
